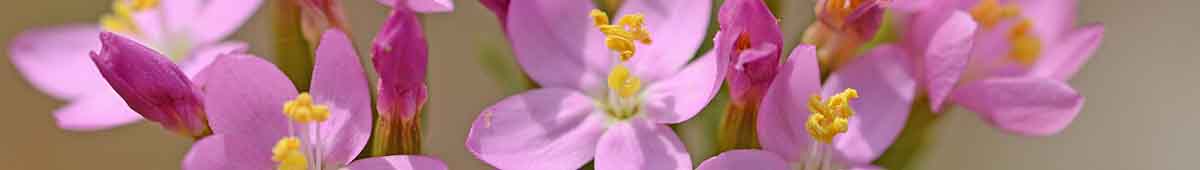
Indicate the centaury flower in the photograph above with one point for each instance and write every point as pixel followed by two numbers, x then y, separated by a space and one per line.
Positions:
pixel 1023 55
pixel 55 60
pixel 867 106
pixel 611 104
pixel 259 121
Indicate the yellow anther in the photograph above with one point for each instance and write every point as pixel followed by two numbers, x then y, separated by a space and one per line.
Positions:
pixel 288 156
pixel 121 18
pixel 600 18
pixel 1025 45
pixel 303 110
pixel 623 82
pixel 990 12
pixel 830 118
pixel 621 37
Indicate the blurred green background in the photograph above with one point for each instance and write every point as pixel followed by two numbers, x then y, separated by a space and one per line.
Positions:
pixel 1140 113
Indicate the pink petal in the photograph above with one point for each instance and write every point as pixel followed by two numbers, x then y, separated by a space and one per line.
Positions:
pixel 946 57
pixel 1064 58
pixel 229 152
pixel 783 111
pixel 339 82
pixel 151 84
pixel 100 111
pixel 558 45
pixel 1050 18
pixel 150 27
pixel 677 28
pixel 220 18
pixel 641 144
pixel 679 98
pixel 989 54
pixel 399 162
pixel 179 15
pixel 205 55
pixel 1026 106
pixel 549 128
pixel 55 60
pixel 745 159
pixel 886 90
pixel 245 96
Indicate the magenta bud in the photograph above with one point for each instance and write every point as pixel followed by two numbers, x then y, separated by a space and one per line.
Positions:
pixel 750 42
pixel 152 85
pixel 400 57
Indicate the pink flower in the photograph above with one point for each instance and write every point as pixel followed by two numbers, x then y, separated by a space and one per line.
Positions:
pixel 611 104
pixel 885 90
pixel 422 6
pixel 324 130
pixel 152 85
pixel 868 104
pixel 1024 52
pixel 55 59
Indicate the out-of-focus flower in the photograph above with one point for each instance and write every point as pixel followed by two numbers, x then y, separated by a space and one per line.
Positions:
pixel 938 41
pixel 842 27
pixel 55 60
pixel 400 58
pixel 257 114
pixel 748 47
pixel 152 85
pixel 868 104
pixel 1023 54
pixel 608 103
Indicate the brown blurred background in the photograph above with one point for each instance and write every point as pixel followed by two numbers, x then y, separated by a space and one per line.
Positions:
pixel 1141 85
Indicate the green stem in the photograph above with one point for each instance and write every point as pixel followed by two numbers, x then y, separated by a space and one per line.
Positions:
pixel 912 142
pixel 292 51
pixel 737 129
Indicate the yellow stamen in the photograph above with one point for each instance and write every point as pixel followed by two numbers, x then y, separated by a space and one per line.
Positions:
pixel 990 12
pixel 621 37
pixel 623 82
pixel 1025 45
pixel 288 156
pixel 830 118
pixel 121 19
pixel 303 110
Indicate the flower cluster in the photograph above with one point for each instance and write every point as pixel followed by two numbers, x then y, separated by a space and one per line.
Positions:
pixel 610 80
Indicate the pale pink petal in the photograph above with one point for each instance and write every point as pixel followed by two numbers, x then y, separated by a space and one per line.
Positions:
pixel 677 28
pixel 558 45
pixel 989 53
pixel 150 28
pixel 1026 105
pixel 1063 59
pixel 423 6
pixel 641 144
pixel 398 162
pixel 218 19
pixel 100 111
pixel 745 159
pixel 679 98
pixel 339 82
pixel 886 91
pixel 549 128
pixel 179 15
pixel 1050 18
pixel 55 60
pixel 245 95
pixel 229 152
pixel 205 55
pixel 783 111
pixel 945 58
pixel 865 167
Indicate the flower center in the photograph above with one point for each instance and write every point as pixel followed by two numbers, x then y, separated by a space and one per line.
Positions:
pixel 623 86
pixel 830 118
pixel 291 152
pixel 838 10
pixel 121 19
pixel 1026 47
